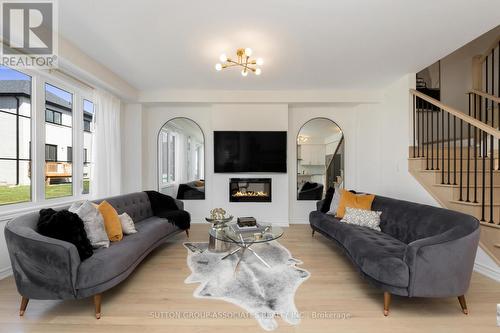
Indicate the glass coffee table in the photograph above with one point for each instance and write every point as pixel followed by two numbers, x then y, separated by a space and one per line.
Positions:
pixel 244 240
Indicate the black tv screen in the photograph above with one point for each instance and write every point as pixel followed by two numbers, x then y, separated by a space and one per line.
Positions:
pixel 249 151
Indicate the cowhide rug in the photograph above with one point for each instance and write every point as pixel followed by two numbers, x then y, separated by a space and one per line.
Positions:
pixel 263 292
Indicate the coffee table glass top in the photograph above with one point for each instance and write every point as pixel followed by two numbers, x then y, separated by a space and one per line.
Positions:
pixel 227 234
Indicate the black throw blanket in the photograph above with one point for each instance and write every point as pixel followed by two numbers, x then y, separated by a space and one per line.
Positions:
pixel 165 206
pixel 66 226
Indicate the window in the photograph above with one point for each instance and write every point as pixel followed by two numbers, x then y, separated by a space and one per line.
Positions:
pixel 168 146
pixel 15 129
pixel 58 174
pixel 45 162
pixel 88 136
pixel 53 117
pixel 50 153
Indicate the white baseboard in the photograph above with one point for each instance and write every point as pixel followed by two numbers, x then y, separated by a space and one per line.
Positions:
pixel 299 221
pixel 5 272
pixel 486 270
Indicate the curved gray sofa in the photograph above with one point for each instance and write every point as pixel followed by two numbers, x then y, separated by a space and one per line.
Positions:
pixel 50 269
pixel 422 251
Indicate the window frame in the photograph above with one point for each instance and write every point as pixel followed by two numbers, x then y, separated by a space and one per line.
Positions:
pixel 37 150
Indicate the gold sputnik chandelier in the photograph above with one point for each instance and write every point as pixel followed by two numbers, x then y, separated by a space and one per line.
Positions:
pixel 242 60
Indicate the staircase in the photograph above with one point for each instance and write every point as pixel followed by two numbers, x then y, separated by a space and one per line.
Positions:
pixel 455 157
pixel 456 154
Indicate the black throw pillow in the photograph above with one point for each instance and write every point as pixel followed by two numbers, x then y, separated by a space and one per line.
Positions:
pixel 325 207
pixel 66 226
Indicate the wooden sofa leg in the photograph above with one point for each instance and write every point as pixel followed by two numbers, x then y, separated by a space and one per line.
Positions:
pixel 187 233
pixel 387 302
pixel 312 234
pixel 97 305
pixel 463 304
pixel 24 304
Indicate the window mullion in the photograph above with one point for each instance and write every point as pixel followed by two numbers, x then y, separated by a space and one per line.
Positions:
pixel 77 145
pixel 38 139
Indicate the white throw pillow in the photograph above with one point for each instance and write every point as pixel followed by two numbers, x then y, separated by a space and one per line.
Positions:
pixel 128 226
pixel 334 205
pixel 362 217
pixel 93 223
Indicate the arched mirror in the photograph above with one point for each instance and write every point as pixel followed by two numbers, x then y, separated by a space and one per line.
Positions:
pixel 181 160
pixel 320 158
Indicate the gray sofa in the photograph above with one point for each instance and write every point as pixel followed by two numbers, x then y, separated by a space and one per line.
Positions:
pixel 422 251
pixel 50 269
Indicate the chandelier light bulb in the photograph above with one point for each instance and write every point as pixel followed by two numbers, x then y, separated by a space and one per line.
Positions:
pixel 218 67
pixel 223 57
pixel 258 71
pixel 260 61
pixel 248 52
pixel 244 72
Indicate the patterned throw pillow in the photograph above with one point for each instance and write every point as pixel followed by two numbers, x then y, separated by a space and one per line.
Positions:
pixel 128 226
pixel 362 217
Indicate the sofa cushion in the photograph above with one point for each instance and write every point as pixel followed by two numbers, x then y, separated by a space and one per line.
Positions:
pixel 108 263
pixel 378 255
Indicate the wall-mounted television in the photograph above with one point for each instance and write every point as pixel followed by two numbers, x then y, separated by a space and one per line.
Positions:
pixel 249 151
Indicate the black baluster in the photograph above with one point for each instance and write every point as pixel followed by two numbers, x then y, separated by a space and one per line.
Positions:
pixel 455 150
pixel 432 135
pixel 414 125
pixel 437 138
pixel 475 152
pixel 485 150
pixel 427 136
pixel 491 177
pixel 449 146
pixel 442 146
pixel 461 157
pixel 468 155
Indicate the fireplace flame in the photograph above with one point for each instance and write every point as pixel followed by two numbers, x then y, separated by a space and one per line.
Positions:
pixel 251 194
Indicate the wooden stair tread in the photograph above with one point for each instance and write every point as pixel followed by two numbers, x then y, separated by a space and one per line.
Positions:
pixel 479 204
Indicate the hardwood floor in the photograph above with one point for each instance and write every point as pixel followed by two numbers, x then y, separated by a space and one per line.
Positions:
pixel 157 287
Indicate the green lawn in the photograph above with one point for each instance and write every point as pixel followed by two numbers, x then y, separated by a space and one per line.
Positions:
pixel 16 194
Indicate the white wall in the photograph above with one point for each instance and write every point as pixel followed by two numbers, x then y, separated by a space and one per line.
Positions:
pixel 456 70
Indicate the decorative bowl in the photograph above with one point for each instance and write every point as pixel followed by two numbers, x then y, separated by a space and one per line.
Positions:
pixel 219 223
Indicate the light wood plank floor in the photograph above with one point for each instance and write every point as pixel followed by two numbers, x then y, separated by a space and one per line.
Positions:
pixel 157 285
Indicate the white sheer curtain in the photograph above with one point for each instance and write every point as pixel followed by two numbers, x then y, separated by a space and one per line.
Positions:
pixel 106 146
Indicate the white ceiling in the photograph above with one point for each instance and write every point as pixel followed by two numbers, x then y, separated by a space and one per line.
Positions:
pixel 306 44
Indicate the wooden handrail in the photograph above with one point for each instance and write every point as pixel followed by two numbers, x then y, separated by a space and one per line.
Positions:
pixel 493 46
pixel 468 119
pixel 485 95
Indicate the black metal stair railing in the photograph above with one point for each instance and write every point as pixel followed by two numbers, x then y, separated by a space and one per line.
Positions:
pixel 461 147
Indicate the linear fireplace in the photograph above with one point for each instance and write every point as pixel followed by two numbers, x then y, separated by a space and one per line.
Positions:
pixel 250 190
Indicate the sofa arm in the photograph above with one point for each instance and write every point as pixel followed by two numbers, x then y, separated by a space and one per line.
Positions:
pixel 179 204
pixel 319 204
pixel 440 266
pixel 43 267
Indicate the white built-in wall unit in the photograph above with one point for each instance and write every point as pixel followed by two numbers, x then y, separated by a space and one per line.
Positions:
pixel 370 120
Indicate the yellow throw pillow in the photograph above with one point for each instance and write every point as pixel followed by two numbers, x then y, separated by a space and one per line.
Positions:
pixel 112 222
pixel 360 201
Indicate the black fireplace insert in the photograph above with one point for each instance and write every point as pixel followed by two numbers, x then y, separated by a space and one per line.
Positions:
pixel 250 190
